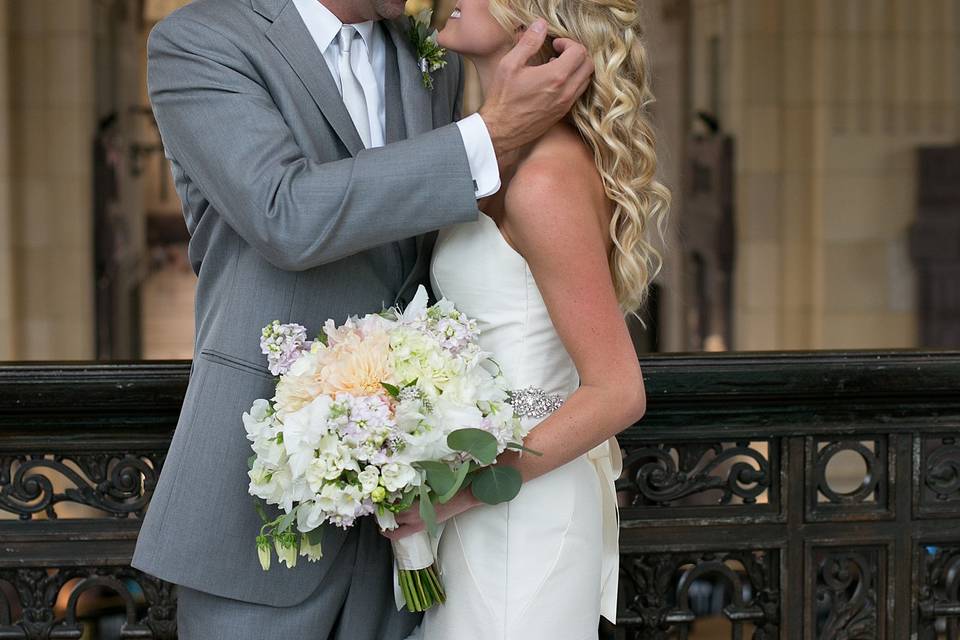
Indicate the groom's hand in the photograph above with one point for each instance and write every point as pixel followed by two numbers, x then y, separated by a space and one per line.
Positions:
pixel 523 101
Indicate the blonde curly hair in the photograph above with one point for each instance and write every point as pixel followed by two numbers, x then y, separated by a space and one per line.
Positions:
pixel 612 117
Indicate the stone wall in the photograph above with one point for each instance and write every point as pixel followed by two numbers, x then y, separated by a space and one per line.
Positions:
pixel 828 101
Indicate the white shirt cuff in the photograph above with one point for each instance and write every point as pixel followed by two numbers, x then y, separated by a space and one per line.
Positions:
pixel 480 155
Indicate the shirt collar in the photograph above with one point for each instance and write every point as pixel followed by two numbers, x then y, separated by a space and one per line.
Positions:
pixel 325 27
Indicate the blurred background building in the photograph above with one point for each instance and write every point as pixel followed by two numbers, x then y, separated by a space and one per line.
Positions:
pixel 806 215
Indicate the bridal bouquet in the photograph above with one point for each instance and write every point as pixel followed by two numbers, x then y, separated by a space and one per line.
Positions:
pixel 368 418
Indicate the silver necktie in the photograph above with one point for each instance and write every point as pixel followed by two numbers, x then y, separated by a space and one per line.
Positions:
pixel 351 89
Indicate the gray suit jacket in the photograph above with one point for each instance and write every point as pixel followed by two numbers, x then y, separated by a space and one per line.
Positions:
pixel 290 219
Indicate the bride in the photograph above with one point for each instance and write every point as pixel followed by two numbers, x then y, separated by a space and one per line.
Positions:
pixel 548 273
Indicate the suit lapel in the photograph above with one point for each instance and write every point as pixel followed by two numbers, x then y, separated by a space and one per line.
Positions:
pixel 416 99
pixel 409 108
pixel 292 38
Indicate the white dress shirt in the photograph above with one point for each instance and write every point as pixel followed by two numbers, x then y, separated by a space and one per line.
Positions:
pixel 324 27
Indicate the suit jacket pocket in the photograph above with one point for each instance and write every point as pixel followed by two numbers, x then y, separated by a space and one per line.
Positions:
pixel 227 360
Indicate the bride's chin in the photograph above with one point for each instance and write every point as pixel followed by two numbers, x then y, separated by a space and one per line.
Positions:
pixel 446 41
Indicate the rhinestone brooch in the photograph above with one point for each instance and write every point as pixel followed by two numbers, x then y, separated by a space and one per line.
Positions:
pixel 534 402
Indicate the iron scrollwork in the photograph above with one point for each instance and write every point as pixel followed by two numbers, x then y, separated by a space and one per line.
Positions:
pixel 38 591
pixel 657 591
pixel 939 596
pixel 941 474
pixel 119 484
pixel 653 476
pixel 846 594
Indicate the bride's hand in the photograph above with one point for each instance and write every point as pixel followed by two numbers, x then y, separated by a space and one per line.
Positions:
pixel 409 521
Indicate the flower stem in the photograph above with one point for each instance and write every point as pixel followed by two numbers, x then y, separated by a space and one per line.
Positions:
pixel 421 588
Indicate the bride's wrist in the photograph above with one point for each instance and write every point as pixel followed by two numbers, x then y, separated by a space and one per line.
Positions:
pixel 468 500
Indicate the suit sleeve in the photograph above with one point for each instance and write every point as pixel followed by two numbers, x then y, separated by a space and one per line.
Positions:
pixel 220 123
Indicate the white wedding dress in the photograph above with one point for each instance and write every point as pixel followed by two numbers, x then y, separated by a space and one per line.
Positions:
pixel 545 565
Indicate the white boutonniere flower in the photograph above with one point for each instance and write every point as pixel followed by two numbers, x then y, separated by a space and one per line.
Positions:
pixel 430 55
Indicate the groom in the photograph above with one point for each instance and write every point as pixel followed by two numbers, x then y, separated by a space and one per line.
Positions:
pixel 312 165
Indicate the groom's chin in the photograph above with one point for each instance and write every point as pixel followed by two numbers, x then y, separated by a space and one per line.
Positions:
pixel 391 9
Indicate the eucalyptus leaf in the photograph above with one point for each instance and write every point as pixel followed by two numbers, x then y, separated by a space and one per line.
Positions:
pixel 496 484
pixel 427 511
pixel 405 501
pixel 439 476
pixel 458 483
pixel 480 444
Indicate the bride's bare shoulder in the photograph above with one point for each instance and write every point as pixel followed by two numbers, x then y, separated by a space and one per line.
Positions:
pixel 557 181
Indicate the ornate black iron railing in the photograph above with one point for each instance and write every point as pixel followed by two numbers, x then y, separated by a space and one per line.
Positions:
pixel 735 510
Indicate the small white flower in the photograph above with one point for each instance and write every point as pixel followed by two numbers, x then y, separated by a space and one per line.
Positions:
pixel 263 552
pixel 285 545
pixel 258 420
pixel 310 515
pixel 386 519
pixel 313 552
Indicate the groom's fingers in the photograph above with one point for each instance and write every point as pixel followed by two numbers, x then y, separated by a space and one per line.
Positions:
pixel 529 44
pixel 573 59
pixel 574 64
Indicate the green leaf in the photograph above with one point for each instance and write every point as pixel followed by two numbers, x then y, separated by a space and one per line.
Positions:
pixel 427 511
pixel 519 447
pixel 477 442
pixel 250 461
pixel 286 521
pixel 439 476
pixel 391 389
pixel 260 510
pixel 405 501
pixel 315 537
pixel 458 479
pixel 496 484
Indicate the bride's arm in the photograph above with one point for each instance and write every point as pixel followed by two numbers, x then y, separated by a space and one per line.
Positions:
pixel 554 220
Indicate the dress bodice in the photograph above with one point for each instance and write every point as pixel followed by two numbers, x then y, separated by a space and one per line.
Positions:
pixel 475 268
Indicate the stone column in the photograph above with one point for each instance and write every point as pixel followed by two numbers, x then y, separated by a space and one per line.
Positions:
pixel 7 297
pixel 51 68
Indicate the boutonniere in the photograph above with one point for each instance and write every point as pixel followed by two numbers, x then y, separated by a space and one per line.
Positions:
pixel 430 55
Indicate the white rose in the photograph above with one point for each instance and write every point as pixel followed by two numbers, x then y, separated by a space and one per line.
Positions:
pixel 369 479
pixel 397 476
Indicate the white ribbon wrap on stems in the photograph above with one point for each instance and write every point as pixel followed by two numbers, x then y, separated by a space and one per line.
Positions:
pixel 608 461
pixel 412 553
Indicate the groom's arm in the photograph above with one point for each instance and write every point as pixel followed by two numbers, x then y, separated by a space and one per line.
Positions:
pixel 221 124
